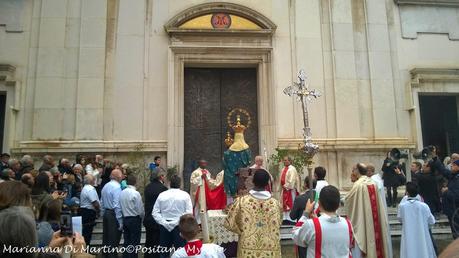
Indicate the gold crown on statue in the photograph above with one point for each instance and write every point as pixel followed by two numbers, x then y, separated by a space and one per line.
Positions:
pixel 238 127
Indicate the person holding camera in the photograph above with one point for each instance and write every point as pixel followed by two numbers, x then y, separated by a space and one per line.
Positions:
pixel 450 197
pixel 428 188
pixel 393 178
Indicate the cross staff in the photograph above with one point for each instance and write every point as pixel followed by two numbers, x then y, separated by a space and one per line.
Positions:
pixel 300 89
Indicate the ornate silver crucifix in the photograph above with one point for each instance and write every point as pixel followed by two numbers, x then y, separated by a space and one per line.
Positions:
pixel 301 91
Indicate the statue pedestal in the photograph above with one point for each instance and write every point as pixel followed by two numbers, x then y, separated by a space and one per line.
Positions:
pixel 244 181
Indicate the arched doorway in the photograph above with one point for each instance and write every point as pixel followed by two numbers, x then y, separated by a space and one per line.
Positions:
pixel 219 38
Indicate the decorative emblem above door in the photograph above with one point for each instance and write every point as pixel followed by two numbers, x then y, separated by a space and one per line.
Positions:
pixel 220 18
pixel 221 21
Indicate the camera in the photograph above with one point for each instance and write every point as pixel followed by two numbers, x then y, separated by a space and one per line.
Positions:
pixel 66 224
pixel 426 153
pixel 395 155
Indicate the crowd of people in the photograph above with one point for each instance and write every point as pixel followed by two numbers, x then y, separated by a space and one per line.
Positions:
pixel 32 203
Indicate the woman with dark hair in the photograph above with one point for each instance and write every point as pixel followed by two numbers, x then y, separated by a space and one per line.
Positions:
pixel 109 166
pixel 41 193
pixel 48 221
pixel 392 179
pixel 82 160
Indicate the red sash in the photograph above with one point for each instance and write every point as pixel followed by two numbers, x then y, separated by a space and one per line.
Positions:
pixel 318 231
pixel 287 200
pixel 376 222
pixel 193 248
pixel 215 198
pixel 318 247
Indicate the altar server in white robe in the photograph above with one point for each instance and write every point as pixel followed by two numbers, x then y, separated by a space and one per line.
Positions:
pixel 379 182
pixel 416 218
pixel 329 235
pixel 290 187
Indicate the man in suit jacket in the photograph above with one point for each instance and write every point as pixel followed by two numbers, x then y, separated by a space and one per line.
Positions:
pixel 300 204
pixel 152 192
pixel 300 201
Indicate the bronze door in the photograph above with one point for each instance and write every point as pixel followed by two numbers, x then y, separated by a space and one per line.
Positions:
pixel 210 94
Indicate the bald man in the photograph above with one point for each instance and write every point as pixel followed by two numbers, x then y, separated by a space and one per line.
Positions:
pixel 367 214
pixel 196 180
pixel 259 165
pixel 112 218
pixel 89 207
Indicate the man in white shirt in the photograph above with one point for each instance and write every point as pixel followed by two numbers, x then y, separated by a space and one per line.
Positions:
pixel 416 218
pixel 319 174
pixel 133 213
pixel 329 235
pixel 194 247
pixel 168 209
pixel 89 207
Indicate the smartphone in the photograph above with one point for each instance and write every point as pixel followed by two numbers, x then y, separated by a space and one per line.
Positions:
pixel 66 224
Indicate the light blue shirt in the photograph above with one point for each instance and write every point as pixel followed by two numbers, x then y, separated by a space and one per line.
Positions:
pixel 110 199
pixel 131 202
pixel 88 196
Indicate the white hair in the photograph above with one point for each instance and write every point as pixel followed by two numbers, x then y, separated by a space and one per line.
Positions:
pixel 18 228
pixel 12 162
pixel 26 159
pixel 89 179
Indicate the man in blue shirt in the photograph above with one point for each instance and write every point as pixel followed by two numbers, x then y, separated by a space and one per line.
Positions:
pixel 112 218
pixel 156 164
pixel 133 213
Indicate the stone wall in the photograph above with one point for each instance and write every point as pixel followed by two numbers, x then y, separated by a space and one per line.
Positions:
pixel 104 75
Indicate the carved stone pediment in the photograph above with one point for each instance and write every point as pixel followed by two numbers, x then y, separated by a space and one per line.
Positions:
pixel 220 19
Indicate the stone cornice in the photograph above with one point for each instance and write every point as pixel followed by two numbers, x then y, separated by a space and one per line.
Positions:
pixel 352 144
pixel 7 74
pixel 419 75
pixel 89 146
pixel 428 2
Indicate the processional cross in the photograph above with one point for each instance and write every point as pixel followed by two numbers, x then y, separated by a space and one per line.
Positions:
pixel 301 91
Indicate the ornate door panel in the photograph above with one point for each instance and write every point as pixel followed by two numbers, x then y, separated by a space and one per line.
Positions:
pixel 210 94
pixel 239 90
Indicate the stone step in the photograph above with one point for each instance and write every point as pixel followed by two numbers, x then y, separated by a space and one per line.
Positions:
pixel 440 228
pixel 286 236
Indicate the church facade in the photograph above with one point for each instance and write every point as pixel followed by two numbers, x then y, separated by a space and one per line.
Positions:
pixel 167 77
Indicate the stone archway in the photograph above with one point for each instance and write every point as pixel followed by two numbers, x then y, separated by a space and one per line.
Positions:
pixel 196 42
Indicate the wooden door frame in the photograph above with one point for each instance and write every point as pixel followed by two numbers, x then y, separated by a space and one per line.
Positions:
pixel 227 57
pixel 226 100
